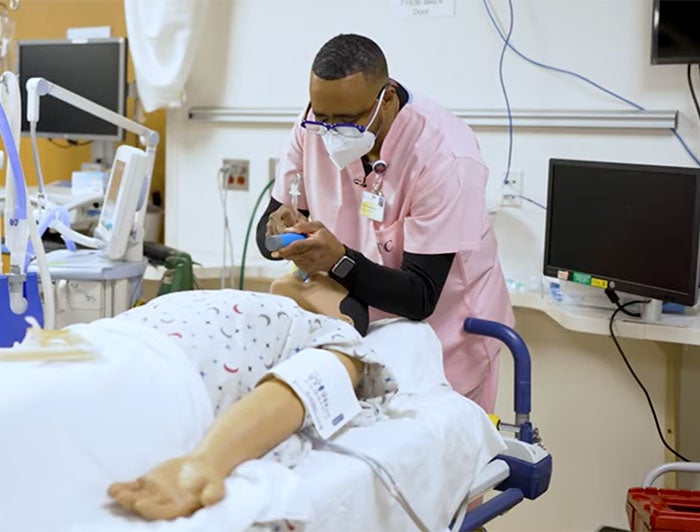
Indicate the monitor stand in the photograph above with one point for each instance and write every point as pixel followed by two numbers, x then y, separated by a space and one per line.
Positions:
pixel 102 151
pixel 651 311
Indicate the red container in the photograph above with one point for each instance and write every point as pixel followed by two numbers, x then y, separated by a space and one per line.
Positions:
pixel 662 510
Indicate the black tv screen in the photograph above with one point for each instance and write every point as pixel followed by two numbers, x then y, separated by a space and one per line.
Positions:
pixel 633 228
pixel 675 34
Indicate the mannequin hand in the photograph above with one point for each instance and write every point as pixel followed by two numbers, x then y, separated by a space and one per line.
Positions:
pixel 318 252
pixel 175 488
pixel 281 219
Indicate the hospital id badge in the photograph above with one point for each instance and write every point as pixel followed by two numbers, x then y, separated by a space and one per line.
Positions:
pixel 372 206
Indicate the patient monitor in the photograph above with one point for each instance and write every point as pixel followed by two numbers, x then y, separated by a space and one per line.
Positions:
pixel 125 197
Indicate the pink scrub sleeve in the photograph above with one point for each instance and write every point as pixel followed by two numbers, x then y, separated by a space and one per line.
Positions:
pixel 447 214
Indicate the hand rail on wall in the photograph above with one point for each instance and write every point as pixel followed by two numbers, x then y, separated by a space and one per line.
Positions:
pixel 600 119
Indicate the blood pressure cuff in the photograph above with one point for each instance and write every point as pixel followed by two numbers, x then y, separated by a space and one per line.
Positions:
pixel 324 387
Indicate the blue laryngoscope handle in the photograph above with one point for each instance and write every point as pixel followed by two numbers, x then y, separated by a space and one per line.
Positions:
pixel 275 242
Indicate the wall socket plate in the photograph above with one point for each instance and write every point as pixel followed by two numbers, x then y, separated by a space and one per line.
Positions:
pixel 512 190
pixel 235 174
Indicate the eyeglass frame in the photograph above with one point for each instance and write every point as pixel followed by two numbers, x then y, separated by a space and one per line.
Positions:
pixel 332 127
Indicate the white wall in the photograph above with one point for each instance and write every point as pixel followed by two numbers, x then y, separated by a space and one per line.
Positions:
pixel 257 54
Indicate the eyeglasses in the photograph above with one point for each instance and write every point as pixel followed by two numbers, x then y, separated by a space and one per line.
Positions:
pixel 345 129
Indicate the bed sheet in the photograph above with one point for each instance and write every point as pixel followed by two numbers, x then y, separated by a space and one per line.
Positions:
pixel 69 429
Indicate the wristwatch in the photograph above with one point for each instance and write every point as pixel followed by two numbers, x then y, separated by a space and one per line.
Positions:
pixel 343 267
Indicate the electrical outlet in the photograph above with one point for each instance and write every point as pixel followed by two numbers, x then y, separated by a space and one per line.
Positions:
pixel 512 189
pixel 235 174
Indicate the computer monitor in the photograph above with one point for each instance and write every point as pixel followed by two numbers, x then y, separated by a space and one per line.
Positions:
pixel 675 37
pixel 629 227
pixel 94 69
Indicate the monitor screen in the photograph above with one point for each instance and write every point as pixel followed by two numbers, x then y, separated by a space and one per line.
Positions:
pixel 675 37
pixel 630 227
pixel 94 69
pixel 109 204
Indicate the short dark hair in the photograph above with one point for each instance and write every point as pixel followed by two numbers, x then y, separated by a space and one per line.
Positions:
pixel 347 54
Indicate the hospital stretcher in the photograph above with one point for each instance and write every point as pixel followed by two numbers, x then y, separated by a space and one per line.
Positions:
pixel 66 437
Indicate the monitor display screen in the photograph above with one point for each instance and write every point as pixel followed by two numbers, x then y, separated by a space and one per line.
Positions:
pixel 633 228
pixel 675 37
pixel 94 69
pixel 110 201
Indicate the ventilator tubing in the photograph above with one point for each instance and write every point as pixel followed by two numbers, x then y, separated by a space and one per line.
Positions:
pixel 324 387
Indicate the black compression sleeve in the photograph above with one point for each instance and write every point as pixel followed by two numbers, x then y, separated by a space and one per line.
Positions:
pixel 411 292
pixel 261 229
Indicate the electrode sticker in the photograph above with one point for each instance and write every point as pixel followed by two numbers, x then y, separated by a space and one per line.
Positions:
pixel 323 385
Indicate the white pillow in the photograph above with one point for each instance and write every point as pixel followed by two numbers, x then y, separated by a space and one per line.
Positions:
pixel 411 350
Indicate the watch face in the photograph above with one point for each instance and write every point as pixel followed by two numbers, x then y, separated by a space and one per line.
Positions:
pixel 343 267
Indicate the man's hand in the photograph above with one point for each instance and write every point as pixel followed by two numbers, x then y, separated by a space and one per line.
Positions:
pixel 318 252
pixel 175 488
pixel 281 219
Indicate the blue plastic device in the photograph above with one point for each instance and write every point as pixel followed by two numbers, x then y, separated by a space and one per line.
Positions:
pixel 14 326
pixel 275 242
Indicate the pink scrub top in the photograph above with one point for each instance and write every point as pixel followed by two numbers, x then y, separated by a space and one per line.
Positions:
pixel 434 189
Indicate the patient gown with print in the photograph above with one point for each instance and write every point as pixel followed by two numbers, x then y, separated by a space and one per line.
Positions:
pixel 233 338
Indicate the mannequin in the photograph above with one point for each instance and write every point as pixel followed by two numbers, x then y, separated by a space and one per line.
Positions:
pixel 317 318
pixel 262 411
pixel 249 427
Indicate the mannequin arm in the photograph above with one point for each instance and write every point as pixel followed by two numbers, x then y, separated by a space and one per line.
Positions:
pixel 248 429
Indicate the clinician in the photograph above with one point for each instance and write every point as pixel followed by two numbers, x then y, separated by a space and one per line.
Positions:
pixel 389 188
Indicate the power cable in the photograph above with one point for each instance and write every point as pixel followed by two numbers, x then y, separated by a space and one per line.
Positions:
pixel 508 42
pixel 247 233
pixel 227 237
pixel 621 308
pixel 692 89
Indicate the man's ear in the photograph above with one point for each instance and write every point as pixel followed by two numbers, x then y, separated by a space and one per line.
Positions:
pixel 389 94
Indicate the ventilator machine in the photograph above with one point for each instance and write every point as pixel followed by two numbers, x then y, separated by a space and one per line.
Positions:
pixel 86 284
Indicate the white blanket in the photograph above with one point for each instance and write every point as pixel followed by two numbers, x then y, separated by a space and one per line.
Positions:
pixel 70 429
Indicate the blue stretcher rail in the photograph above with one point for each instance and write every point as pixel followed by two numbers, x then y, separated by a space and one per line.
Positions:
pixel 527 479
pixel 521 357
pixel 499 505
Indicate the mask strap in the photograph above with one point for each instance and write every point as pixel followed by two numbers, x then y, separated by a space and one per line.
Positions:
pixel 376 109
